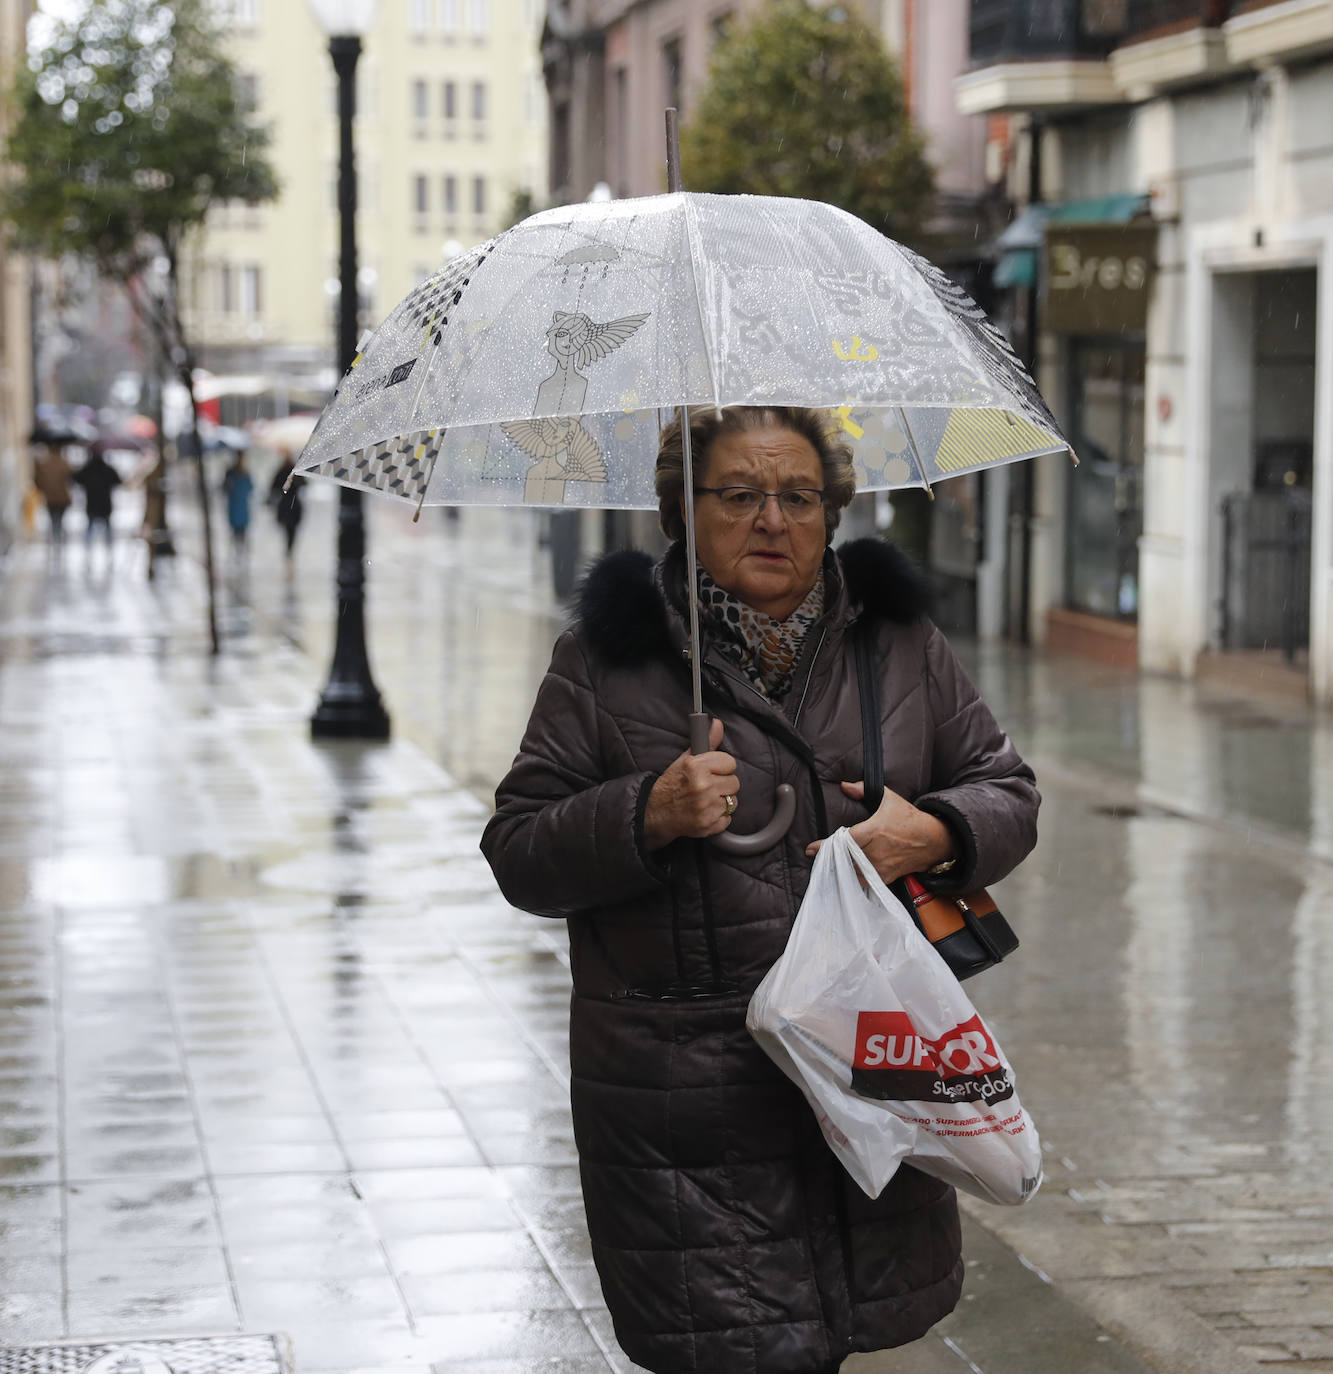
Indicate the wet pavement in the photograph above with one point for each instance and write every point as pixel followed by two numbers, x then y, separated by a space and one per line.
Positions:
pixel 276 1058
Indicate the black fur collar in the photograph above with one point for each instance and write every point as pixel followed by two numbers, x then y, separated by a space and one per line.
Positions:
pixel 625 620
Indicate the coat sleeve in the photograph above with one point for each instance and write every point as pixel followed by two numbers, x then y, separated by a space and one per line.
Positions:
pixel 979 786
pixel 564 837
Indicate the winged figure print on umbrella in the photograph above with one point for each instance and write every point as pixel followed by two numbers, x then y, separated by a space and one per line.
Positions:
pixel 561 448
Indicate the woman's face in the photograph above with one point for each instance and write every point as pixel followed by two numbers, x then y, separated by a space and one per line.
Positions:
pixel 767 559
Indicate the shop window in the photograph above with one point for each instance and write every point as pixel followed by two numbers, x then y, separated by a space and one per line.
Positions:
pixel 1105 502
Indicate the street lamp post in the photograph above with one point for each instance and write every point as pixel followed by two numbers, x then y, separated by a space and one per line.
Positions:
pixel 350 706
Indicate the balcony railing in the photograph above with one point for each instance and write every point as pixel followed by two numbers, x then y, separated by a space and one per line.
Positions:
pixel 1032 30
pixel 1147 16
pixel 1024 30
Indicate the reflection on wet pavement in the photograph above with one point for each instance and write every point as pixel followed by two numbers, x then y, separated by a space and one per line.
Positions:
pixel 275 1055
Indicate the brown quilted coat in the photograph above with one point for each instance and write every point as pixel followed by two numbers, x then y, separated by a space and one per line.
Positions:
pixel 727 1238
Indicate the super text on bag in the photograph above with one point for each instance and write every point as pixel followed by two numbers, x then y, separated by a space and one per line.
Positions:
pixel 893 1061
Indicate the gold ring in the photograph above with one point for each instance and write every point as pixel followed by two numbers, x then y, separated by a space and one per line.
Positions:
pixel 730 804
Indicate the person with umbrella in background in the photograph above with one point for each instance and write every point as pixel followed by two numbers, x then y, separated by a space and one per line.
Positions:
pixel 725 1232
pixel 238 487
pixel 286 501
pixel 51 475
pixel 99 481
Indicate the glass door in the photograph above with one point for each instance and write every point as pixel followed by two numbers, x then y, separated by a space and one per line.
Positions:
pixel 1105 503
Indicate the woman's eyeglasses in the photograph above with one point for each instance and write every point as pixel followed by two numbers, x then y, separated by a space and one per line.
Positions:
pixel 740 503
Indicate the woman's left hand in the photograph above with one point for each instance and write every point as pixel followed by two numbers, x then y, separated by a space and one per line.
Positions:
pixel 898 839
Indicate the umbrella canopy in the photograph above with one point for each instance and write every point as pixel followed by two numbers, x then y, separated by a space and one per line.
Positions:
pixel 538 368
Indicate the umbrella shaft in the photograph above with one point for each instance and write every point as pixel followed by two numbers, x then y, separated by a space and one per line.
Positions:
pixel 691 577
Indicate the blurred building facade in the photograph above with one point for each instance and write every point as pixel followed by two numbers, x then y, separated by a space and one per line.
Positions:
pixel 1179 253
pixel 450 125
pixel 16 398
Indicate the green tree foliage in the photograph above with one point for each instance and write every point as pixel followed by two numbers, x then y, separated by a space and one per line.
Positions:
pixel 128 129
pixel 522 203
pixel 802 101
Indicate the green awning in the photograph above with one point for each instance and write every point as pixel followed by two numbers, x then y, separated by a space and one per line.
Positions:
pixel 1017 267
pixel 1018 246
pixel 1119 209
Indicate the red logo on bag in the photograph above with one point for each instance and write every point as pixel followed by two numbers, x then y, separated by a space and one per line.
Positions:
pixel 893 1060
pixel 888 1040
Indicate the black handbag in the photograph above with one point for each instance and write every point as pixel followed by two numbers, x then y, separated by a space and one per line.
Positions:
pixel 967 929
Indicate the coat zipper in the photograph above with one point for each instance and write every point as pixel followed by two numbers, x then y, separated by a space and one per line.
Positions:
pixel 809 677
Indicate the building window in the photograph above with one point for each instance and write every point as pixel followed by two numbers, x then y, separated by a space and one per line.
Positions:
pixel 451 100
pixel 560 148
pixel 449 18
pixel 252 291
pixel 450 196
pixel 247 91
pixel 226 289
pixel 419 100
pixel 478 195
pixel 245 13
pixel 420 195
pixel 418 16
pixel 719 26
pixel 477 17
pixel 478 100
pixel 671 73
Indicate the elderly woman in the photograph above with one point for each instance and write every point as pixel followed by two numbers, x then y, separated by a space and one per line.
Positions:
pixel 726 1235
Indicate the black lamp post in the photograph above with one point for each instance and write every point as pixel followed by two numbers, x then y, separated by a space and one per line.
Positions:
pixel 350 706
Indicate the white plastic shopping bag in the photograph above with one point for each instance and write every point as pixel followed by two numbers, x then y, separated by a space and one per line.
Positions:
pixel 867 1020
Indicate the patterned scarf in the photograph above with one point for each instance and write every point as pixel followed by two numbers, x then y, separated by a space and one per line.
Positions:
pixel 767 650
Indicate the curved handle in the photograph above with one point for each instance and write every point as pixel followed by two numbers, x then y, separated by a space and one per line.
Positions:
pixel 769 835
pixel 783 814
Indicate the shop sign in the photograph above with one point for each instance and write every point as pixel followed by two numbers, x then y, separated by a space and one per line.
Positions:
pixel 1097 279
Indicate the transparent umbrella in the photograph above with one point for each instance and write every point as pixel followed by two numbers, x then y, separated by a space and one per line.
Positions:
pixel 539 368
pixel 536 369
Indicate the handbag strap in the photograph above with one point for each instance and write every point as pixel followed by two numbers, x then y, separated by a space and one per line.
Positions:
pixel 872 737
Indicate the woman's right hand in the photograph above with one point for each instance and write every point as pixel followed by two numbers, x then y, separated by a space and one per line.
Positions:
pixel 689 800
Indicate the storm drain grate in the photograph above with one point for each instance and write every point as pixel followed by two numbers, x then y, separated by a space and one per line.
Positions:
pixel 183 1355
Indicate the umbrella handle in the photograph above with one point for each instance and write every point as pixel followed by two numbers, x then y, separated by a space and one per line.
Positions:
pixel 783 815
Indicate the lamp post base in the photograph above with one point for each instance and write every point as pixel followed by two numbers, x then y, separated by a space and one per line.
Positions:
pixel 350 706
pixel 348 710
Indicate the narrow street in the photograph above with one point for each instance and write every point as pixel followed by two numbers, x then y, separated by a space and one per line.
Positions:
pixel 277 1058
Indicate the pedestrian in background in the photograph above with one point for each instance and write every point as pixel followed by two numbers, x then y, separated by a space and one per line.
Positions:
pixel 51 474
pixel 99 481
pixel 286 501
pixel 727 1236
pixel 238 487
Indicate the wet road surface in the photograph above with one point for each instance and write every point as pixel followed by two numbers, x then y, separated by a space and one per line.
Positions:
pixel 274 1055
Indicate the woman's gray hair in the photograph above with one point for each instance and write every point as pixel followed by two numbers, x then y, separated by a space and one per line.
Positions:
pixel 708 424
